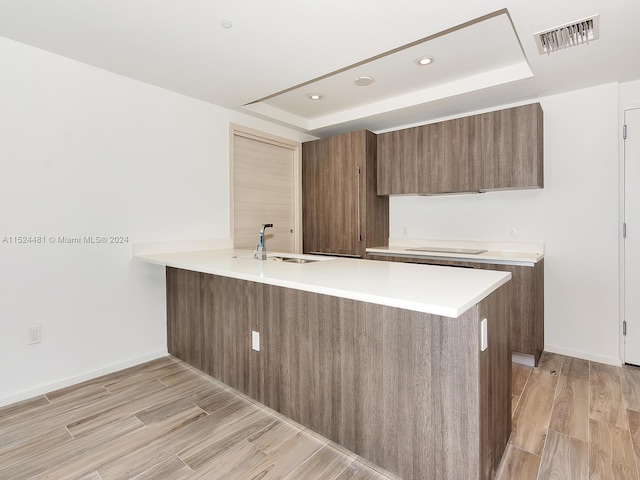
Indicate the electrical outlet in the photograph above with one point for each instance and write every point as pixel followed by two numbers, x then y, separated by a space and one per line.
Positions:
pixel 405 231
pixel 514 233
pixel 484 340
pixel 33 334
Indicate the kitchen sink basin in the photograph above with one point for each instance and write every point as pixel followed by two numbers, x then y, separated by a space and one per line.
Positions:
pixel 279 258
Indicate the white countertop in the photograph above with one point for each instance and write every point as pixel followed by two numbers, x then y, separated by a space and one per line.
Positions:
pixel 505 253
pixel 445 291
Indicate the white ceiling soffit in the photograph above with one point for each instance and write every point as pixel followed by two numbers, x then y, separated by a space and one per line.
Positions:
pixel 479 54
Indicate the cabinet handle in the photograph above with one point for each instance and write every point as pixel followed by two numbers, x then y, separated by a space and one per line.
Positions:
pixel 358 203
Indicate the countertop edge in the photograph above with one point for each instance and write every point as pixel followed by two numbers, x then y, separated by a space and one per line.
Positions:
pixel 423 307
pixel 487 257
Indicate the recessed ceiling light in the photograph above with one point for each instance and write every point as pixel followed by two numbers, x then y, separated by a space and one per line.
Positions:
pixel 424 60
pixel 363 81
pixel 226 24
pixel 315 96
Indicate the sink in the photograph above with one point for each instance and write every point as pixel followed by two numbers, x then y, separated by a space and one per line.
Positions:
pixel 280 258
pixel 286 258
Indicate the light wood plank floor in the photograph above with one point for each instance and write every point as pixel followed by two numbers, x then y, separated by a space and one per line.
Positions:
pixel 573 419
pixel 162 420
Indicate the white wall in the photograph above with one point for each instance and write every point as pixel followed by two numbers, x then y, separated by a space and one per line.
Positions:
pixel 575 215
pixel 87 152
pixel 630 94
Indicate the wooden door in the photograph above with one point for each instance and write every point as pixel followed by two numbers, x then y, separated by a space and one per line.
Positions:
pixel 632 240
pixel 332 181
pixel 264 191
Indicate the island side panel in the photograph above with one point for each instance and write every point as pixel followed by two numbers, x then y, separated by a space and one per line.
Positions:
pixel 184 315
pixel 400 388
pixel 495 373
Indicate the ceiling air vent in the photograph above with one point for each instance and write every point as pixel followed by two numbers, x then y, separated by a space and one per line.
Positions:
pixel 568 35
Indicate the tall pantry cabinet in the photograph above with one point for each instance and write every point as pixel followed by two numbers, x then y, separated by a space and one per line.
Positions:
pixel 341 211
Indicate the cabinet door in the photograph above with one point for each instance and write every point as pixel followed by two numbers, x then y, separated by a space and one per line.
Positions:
pixel 312 153
pixel 458 169
pixel 512 148
pixel 400 158
pixel 331 185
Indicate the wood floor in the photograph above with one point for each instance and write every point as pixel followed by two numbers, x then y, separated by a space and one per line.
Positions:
pixel 572 419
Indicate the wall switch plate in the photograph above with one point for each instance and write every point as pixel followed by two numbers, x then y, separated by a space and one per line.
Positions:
pixel 484 342
pixel 33 334
pixel 255 341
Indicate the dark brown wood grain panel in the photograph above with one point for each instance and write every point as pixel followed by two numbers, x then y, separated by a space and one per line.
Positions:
pixel 492 151
pixel 459 169
pixel 400 161
pixel 527 306
pixel 409 391
pixel 513 148
pixel 527 298
pixel 184 310
pixel 432 156
pixel 375 214
pixel 496 369
pixel 342 213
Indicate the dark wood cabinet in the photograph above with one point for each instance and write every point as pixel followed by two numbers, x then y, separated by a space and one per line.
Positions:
pixel 409 391
pixel 492 151
pixel 405 169
pixel 438 158
pixel 341 211
pixel 512 148
pixel 527 298
pixel 458 169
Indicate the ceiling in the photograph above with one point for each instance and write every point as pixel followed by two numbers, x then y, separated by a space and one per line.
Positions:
pixel 277 52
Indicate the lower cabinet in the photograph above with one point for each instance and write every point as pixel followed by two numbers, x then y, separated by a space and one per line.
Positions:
pixel 408 391
pixel 527 299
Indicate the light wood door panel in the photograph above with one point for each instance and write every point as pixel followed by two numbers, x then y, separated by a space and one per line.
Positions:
pixel 263 192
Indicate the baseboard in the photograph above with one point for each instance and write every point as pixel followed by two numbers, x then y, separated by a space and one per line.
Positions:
pixel 50 387
pixel 583 355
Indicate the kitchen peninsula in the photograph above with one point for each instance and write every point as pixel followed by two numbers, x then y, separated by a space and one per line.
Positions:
pixel 386 359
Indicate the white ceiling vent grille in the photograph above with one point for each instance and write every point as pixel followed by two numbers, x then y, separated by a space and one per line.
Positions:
pixel 568 35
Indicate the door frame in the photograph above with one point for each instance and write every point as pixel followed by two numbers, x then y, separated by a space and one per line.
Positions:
pixel 623 217
pixel 296 149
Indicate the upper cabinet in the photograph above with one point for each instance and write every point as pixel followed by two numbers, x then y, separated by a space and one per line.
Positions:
pixel 457 169
pixel 512 148
pixel 497 150
pixel 401 177
pixel 341 211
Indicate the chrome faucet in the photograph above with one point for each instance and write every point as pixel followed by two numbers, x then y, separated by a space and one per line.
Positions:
pixel 261 249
